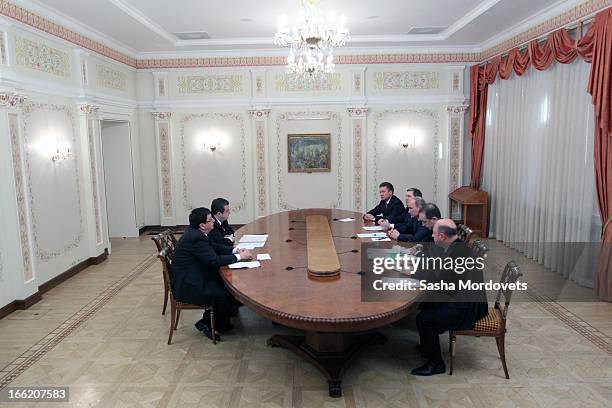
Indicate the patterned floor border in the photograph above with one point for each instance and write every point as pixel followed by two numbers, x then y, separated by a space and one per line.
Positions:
pixel 581 326
pixel 46 344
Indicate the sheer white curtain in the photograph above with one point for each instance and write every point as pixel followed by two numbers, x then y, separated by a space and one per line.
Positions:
pixel 538 167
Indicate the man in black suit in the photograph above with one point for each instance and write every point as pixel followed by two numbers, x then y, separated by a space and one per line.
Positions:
pixel 195 271
pixel 389 207
pixel 222 233
pixel 447 309
pixel 411 194
pixel 418 229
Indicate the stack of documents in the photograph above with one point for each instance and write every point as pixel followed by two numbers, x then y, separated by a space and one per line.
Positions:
pixel 252 241
pixel 238 265
pixel 372 235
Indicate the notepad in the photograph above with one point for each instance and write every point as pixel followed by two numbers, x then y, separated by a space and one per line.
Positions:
pixel 347 219
pixel 381 239
pixel 376 228
pixel 241 265
pixel 254 238
pixel 263 257
pixel 372 235
pixel 250 245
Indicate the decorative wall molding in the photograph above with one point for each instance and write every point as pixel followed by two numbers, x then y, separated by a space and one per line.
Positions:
pixel 159 115
pixel 20 191
pixel 88 109
pixel 456 119
pixel 42 253
pixel 34 20
pixel 209 84
pixel 111 78
pixel 260 116
pixel 379 116
pixel 94 177
pixel 11 100
pixel 232 116
pixel 358 112
pixel 165 168
pixel 296 83
pixel 332 116
pixel 41 57
pixel 407 80
pixel 457 110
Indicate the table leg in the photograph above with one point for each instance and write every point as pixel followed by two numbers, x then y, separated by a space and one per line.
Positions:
pixel 329 352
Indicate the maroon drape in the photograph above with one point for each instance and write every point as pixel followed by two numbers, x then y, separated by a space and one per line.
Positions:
pixel 595 47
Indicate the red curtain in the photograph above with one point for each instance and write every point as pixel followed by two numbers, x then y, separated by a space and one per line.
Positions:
pixel 595 47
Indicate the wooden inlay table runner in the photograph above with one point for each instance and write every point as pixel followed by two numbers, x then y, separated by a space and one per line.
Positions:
pixel 322 257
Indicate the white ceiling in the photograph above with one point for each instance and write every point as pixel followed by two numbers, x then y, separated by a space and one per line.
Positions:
pixel 146 27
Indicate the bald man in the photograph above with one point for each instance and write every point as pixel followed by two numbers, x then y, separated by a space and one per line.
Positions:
pixel 447 310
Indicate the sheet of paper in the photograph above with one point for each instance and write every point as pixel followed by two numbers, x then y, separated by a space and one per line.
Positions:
pixel 347 220
pixel 263 257
pixel 381 239
pixel 240 265
pixel 372 235
pixel 376 228
pixel 253 238
pixel 250 245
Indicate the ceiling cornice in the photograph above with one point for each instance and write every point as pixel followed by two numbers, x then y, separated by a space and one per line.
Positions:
pixel 517 35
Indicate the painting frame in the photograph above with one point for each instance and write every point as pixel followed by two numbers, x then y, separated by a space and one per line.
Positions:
pixel 299 144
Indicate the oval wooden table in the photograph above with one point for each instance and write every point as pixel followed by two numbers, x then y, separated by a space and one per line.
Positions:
pixel 330 312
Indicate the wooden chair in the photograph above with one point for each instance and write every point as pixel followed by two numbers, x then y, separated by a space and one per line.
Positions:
pixel 465 233
pixel 165 239
pixel 494 324
pixel 176 305
pixel 479 248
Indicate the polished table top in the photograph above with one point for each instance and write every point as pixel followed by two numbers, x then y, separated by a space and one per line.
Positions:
pixel 282 291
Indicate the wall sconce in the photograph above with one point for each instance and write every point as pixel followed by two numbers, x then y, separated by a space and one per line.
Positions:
pixel 61 154
pixel 407 143
pixel 212 146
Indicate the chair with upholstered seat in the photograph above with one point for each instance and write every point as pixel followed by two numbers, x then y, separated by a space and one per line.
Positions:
pixel 479 248
pixel 494 324
pixel 176 305
pixel 465 233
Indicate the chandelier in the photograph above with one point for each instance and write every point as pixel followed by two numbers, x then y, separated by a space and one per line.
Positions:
pixel 311 41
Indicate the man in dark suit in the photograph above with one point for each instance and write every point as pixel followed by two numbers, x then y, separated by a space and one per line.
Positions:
pixel 447 309
pixel 195 271
pixel 389 207
pixel 419 229
pixel 411 194
pixel 222 233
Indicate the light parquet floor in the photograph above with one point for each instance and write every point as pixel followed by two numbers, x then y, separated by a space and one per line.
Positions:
pixel 102 334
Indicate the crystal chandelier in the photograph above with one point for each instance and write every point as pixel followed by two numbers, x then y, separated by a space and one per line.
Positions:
pixel 311 41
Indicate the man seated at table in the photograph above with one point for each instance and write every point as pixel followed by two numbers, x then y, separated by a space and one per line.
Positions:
pixel 411 193
pixel 447 309
pixel 389 207
pixel 195 275
pixel 419 229
pixel 222 233
pixel 409 222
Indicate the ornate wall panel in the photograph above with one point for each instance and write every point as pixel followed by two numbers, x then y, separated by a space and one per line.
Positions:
pixel 111 78
pixel 334 118
pixel 209 84
pixel 41 57
pixel 294 83
pixel 421 164
pixel 406 80
pixel 54 188
pixel 217 182
pixel 21 197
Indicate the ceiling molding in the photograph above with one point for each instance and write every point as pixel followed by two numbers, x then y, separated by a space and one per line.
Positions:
pixel 56 16
pixel 468 18
pixel 69 30
pixel 546 21
pixel 140 17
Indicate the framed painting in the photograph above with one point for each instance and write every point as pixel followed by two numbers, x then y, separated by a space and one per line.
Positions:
pixel 307 153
